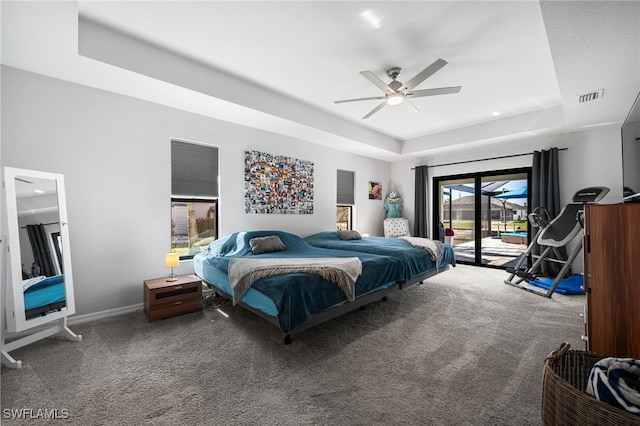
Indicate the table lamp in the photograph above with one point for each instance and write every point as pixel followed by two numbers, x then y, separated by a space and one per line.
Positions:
pixel 172 260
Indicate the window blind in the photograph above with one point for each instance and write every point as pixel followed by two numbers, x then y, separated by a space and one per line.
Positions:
pixel 194 170
pixel 345 187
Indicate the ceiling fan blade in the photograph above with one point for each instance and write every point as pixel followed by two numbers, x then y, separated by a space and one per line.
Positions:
pixel 409 107
pixel 376 109
pixel 359 99
pixel 424 74
pixel 375 80
pixel 434 92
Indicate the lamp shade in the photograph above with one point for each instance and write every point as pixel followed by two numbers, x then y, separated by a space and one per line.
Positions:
pixel 171 260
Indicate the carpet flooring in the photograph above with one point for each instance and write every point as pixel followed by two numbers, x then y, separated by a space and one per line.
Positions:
pixel 461 349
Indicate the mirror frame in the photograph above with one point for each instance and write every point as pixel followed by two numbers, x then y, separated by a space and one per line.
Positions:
pixel 14 302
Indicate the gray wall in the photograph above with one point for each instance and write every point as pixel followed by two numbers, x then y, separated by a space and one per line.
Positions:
pixel 114 153
pixel 593 158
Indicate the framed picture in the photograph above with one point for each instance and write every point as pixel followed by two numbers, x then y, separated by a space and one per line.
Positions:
pixel 375 191
pixel 277 184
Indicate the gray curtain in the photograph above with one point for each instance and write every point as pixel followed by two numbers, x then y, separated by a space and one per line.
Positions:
pixel 545 185
pixel 420 225
pixel 545 193
pixel 43 261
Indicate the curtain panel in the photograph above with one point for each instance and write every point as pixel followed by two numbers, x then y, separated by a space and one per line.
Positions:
pixel 43 261
pixel 545 185
pixel 545 193
pixel 420 220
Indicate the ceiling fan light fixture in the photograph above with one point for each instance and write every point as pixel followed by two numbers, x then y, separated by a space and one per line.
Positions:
pixel 395 99
pixel 395 91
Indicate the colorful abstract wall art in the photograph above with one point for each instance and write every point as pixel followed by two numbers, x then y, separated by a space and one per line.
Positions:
pixel 277 184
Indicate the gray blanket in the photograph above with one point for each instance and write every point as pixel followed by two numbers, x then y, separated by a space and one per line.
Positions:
pixel 343 271
pixel 435 248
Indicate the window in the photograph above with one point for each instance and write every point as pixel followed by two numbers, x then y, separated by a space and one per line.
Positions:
pixel 193 225
pixel 345 200
pixel 344 216
pixel 194 197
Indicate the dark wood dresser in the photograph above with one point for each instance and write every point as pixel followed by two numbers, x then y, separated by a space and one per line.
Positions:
pixel 612 279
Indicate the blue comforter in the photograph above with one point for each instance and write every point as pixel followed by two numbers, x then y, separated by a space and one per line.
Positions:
pixel 415 261
pixel 45 293
pixel 297 297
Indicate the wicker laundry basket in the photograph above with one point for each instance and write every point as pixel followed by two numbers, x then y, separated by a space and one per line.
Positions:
pixel 564 400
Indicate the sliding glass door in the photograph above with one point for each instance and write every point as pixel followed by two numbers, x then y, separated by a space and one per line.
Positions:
pixel 486 213
pixel 457 207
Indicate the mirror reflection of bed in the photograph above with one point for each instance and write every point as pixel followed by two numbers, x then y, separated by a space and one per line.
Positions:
pixel 39 284
pixel 40 252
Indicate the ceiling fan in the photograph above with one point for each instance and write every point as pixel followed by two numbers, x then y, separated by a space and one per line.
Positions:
pixel 396 93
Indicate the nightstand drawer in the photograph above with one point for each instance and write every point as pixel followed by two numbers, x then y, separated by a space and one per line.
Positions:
pixel 175 301
pixel 174 309
pixel 164 299
pixel 174 292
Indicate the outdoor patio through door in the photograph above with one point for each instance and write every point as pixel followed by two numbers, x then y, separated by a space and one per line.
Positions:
pixel 487 213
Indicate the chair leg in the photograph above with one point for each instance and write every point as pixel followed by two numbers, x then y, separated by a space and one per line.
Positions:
pixel 564 269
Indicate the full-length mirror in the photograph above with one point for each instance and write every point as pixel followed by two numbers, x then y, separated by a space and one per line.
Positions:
pixel 40 284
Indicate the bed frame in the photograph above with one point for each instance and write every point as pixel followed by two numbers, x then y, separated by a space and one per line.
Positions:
pixel 43 310
pixel 337 310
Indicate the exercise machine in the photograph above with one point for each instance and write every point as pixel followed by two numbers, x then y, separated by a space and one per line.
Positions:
pixel 551 236
pixel 539 219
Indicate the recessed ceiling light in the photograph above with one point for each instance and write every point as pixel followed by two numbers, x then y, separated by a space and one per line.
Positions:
pixel 496 113
pixel 371 18
pixel 39 191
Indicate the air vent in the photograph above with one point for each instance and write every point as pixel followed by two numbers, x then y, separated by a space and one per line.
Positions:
pixel 591 96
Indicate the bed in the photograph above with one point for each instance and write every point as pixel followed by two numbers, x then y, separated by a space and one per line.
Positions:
pixel 417 262
pixel 43 294
pixel 299 300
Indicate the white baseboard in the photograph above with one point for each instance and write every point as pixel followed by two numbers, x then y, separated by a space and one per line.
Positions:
pixel 77 319
pixel 80 319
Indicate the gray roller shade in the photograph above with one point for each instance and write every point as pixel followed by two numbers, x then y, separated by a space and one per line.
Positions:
pixel 194 170
pixel 345 187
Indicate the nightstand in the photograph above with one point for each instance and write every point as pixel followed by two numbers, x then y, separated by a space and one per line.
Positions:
pixel 164 299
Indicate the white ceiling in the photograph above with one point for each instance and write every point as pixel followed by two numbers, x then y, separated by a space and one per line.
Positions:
pixel 280 66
